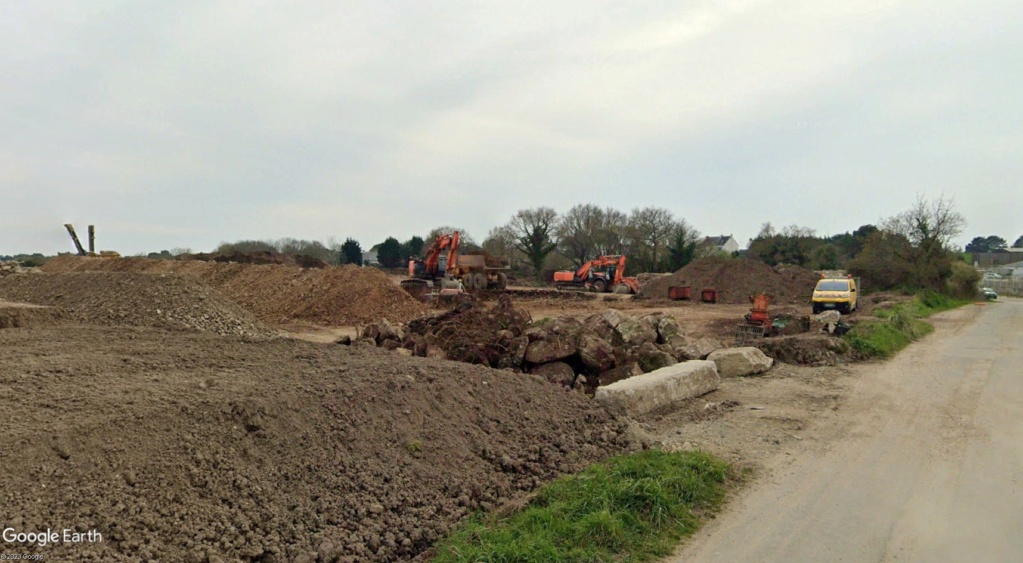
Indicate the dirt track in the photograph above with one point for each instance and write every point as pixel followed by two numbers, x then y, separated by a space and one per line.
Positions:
pixel 921 463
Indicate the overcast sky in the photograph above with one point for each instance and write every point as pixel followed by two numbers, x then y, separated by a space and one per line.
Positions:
pixel 189 123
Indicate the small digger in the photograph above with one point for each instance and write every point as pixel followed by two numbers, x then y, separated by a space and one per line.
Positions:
pixel 758 323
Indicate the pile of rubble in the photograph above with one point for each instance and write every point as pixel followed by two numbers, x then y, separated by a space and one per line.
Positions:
pixel 580 354
pixel 11 268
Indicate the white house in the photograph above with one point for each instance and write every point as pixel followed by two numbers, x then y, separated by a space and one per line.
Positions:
pixel 723 243
pixel 369 258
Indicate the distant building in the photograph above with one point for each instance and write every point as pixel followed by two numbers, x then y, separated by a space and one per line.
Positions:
pixel 723 243
pixel 369 258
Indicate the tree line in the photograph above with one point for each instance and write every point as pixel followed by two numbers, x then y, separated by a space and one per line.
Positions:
pixel 911 250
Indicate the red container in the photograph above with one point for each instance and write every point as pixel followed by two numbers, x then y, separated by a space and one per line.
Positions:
pixel 709 295
pixel 675 292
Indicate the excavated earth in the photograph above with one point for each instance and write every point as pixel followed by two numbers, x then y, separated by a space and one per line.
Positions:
pixel 127 298
pixel 736 279
pixel 187 446
pixel 278 294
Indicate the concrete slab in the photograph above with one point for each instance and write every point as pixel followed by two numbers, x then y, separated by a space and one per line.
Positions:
pixel 664 387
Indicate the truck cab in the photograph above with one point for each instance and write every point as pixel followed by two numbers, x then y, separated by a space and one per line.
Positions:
pixel 839 294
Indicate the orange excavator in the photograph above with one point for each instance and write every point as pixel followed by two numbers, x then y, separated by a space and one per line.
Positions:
pixel 603 274
pixel 443 263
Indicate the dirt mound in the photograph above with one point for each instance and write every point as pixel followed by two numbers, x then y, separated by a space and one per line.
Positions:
pixel 12 268
pixel 277 293
pixel 264 257
pixel 191 447
pixel 736 279
pixel 471 332
pixel 806 349
pixel 22 315
pixel 126 298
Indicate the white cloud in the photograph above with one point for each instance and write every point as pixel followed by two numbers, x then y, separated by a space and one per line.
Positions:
pixel 216 120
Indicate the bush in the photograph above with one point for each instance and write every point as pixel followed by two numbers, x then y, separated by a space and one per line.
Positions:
pixel 964 281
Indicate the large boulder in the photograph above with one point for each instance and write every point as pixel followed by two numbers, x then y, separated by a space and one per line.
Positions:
pixel 737 362
pixel 515 355
pixel 651 358
pixel 668 331
pixel 558 373
pixel 632 332
pixel 596 354
pixel 603 324
pixel 699 349
pixel 551 348
pixel 662 388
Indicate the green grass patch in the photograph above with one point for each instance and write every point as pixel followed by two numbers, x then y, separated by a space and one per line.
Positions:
pixel 630 508
pixel 902 325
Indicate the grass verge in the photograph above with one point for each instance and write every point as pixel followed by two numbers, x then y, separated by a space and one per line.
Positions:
pixel 630 508
pixel 902 325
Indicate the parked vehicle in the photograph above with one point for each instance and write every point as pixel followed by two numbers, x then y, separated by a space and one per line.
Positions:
pixel 838 294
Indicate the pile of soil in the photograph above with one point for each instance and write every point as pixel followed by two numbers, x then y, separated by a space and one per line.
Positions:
pixel 264 257
pixel 21 315
pixel 736 279
pixel 191 447
pixel 10 268
pixel 810 349
pixel 125 298
pixel 279 294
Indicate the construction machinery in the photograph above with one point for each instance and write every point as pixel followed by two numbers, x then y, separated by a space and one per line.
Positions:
pixel 444 264
pixel 92 243
pixel 603 274
pixel 758 323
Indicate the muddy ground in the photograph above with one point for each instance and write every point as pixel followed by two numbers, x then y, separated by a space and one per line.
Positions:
pixel 179 445
pixel 194 447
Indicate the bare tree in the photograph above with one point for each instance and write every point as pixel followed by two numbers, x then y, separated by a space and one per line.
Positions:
pixel 649 228
pixel 578 231
pixel 534 231
pixel 927 229
pixel 466 240
pixel 611 232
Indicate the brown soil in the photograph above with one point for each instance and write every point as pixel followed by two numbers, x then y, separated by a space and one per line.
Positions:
pixel 22 315
pixel 192 447
pixel 736 279
pixel 279 294
pixel 125 298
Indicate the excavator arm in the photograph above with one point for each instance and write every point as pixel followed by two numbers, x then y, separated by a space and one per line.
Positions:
pixel 443 242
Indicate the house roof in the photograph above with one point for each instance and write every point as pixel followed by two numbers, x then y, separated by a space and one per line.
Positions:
pixel 717 241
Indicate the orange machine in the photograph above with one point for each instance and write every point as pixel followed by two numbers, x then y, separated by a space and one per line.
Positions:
pixel 603 274
pixel 443 262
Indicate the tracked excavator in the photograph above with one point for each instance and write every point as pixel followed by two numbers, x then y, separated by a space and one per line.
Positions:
pixel 603 274
pixel 442 264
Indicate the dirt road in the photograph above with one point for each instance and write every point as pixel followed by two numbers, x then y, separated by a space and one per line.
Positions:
pixel 924 462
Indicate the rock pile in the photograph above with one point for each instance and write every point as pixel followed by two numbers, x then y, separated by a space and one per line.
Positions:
pixel 599 350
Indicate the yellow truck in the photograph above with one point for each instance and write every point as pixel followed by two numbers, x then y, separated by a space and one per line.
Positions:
pixel 839 294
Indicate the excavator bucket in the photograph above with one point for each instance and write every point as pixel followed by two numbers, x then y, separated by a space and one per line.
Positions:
pixel 747 333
